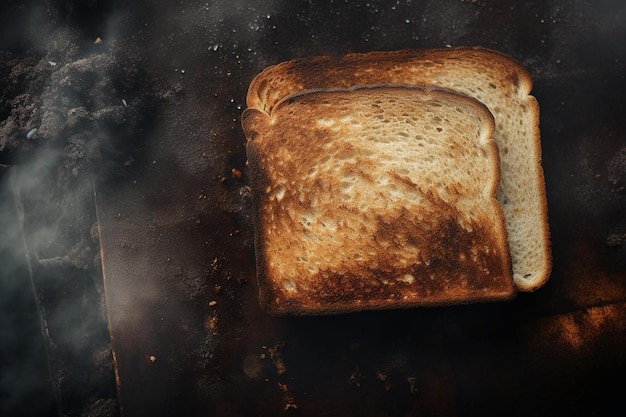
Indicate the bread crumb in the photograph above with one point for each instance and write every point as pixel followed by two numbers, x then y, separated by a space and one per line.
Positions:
pixel 277 359
pixel 287 397
pixel 236 173
pixel 355 377
pixel 210 324
pixel 384 379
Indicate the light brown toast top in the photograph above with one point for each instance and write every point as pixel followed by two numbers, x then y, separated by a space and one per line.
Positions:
pixel 490 77
pixel 380 197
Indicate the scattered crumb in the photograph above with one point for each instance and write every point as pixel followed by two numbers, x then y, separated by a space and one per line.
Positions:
pixel 214 264
pixel 277 358
pixel 384 379
pixel 288 399
pixel 210 324
pixel 355 377
pixel 236 173
pixel 245 192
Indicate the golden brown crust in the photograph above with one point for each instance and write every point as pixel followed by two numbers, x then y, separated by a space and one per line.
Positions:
pixel 542 227
pixel 379 67
pixel 446 68
pixel 457 262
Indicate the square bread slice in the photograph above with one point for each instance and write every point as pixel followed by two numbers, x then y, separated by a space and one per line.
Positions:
pixel 490 77
pixel 375 198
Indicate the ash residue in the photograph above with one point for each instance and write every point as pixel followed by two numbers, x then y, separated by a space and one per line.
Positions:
pixel 84 103
pixel 21 84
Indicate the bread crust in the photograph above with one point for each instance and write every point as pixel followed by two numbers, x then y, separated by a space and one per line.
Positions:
pixel 441 274
pixel 497 80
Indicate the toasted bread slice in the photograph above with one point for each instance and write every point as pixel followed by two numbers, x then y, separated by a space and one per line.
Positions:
pixel 491 78
pixel 372 198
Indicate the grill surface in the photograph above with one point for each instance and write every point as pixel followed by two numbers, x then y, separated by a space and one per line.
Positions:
pixel 176 236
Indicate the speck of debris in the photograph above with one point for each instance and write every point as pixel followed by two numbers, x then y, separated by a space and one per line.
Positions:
pixel 615 240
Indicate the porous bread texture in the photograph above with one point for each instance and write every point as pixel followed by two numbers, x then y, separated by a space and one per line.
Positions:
pixel 376 198
pixel 490 77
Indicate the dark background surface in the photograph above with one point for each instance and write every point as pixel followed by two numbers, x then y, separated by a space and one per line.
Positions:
pixel 141 298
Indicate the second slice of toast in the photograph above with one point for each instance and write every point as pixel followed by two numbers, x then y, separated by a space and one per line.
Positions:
pixel 378 197
pixel 490 77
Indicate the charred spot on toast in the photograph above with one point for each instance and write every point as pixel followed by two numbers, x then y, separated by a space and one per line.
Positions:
pixel 471 269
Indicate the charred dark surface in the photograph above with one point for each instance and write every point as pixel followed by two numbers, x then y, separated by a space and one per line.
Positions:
pixel 153 278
